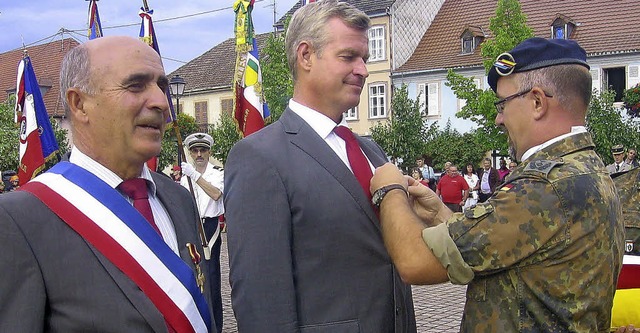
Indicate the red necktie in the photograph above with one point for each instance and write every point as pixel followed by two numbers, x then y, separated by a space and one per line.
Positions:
pixel 136 189
pixel 357 160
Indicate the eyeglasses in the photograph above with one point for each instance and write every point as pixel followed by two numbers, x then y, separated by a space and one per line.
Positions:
pixel 501 103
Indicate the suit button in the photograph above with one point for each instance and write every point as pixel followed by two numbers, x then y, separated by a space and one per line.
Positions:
pixel 398 310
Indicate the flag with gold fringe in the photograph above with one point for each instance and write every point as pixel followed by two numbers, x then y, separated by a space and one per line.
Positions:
pixel 95 27
pixel 250 108
pixel 38 143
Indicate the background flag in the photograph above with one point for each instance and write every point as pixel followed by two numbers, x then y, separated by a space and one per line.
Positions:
pixel 250 108
pixel 148 35
pixel 304 2
pixel 38 143
pixel 95 28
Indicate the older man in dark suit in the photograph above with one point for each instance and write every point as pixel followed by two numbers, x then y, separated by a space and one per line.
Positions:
pixel 100 243
pixel 305 249
pixel 489 180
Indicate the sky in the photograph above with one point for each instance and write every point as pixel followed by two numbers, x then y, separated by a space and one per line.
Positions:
pixel 185 28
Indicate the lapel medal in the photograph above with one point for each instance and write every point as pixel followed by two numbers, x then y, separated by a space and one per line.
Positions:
pixel 195 258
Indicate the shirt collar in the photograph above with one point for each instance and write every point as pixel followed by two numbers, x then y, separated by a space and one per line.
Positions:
pixel 574 130
pixel 320 123
pixel 84 161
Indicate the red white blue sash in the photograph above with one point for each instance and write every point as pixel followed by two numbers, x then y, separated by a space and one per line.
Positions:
pixel 105 219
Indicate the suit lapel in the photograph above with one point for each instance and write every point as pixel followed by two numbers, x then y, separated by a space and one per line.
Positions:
pixel 304 137
pixel 176 214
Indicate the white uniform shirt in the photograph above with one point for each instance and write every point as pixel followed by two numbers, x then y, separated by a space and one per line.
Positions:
pixel 206 205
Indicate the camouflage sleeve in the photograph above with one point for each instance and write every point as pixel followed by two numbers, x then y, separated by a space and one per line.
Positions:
pixel 439 241
pixel 522 218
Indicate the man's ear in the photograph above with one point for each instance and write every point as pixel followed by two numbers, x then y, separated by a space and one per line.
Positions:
pixel 305 50
pixel 75 101
pixel 541 103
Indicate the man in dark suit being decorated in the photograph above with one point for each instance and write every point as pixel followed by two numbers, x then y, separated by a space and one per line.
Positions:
pixel 100 243
pixel 305 249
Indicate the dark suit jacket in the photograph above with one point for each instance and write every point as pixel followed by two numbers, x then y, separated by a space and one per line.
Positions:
pixel 494 178
pixel 52 280
pixel 305 249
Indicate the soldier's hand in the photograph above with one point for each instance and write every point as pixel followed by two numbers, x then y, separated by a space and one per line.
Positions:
pixel 386 175
pixel 426 203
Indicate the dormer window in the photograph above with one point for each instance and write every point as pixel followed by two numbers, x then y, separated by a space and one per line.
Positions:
pixel 562 27
pixel 471 37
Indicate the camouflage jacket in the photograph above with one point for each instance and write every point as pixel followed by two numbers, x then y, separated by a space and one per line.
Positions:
pixel 546 248
pixel 628 186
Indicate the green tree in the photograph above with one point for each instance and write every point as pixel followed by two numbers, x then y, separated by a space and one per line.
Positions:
pixel 276 79
pixel 9 143
pixel 225 134
pixel 509 28
pixel 448 145
pixel 61 136
pixel 609 127
pixel 169 152
pixel 403 136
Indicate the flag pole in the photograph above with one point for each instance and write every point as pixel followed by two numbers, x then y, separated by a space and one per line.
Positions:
pixel 182 156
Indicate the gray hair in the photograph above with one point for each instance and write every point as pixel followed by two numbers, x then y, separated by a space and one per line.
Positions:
pixel 308 25
pixel 567 83
pixel 75 73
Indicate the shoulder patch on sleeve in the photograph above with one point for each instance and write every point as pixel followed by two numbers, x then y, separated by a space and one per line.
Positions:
pixel 478 211
pixel 542 167
pixel 218 168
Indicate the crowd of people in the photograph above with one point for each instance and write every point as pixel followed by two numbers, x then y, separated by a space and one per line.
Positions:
pixel 327 236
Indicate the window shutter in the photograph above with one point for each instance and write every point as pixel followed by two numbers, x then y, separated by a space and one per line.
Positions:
pixel 422 99
pixel 595 79
pixel 633 77
pixel 433 109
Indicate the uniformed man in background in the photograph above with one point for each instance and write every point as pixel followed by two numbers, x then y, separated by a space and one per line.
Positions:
pixel 619 164
pixel 208 185
pixel 543 254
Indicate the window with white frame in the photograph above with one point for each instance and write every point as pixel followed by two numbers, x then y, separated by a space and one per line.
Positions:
pixel 351 114
pixel 429 99
pixel 463 102
pixel 377 43
pixel 377 100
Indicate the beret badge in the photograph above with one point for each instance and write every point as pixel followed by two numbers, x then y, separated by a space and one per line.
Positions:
pixel 505 64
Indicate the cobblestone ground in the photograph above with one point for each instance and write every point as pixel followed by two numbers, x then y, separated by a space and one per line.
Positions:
pixel 438 308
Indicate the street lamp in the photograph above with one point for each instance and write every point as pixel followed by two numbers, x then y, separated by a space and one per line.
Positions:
pixel 176 85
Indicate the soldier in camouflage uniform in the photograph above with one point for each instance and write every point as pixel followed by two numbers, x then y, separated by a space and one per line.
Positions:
pixel 628 185
pixel 544 252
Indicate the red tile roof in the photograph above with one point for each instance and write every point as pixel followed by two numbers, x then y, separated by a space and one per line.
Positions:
pixel 46 60
pixel 604 27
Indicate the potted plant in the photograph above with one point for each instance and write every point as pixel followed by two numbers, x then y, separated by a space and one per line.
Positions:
pixel 631 100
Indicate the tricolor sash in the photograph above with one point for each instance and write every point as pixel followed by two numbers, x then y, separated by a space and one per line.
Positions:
pixel 105 219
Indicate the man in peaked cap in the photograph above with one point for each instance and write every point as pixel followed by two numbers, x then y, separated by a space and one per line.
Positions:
pixel 619 164
pixel 544 252
pixel 208 187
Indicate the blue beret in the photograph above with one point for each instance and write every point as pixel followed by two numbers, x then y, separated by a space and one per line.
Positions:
pixel 534 53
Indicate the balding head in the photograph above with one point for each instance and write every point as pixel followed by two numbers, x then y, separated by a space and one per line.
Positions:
pixel 76 70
